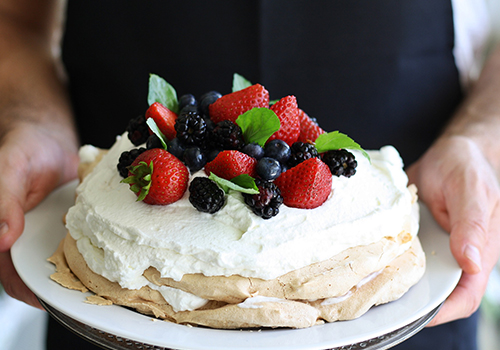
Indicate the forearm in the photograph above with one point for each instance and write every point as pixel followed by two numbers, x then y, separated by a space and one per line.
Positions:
pixel 478 118
pixel 32 86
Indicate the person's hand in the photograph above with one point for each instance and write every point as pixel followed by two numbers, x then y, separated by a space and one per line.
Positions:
pixel 34 160
pixel 461 189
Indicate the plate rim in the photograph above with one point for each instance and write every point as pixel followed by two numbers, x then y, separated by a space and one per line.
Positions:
pixel 59 198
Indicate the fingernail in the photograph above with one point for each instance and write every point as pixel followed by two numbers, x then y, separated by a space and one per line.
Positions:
pixel 472 253
pixel 4 228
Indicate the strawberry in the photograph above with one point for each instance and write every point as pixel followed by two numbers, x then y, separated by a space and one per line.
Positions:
pixel 306 185
pixel 309 130
pixel 232 105
pixel 164 119
pixel 158 177
pixel 288 113
pixel 229 164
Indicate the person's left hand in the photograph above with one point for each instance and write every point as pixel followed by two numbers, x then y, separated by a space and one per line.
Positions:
pixel 461 189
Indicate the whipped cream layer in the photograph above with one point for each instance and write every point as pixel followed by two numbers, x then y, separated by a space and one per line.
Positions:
pixel 119 237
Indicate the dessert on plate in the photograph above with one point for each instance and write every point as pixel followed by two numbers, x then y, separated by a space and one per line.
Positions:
pixel 232 211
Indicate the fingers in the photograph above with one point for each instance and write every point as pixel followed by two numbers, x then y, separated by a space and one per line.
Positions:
pixel 473 202
pixel 460 188
pixel 13 284
pixel 464 300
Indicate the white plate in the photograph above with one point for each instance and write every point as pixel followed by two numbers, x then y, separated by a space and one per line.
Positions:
pixel 44 230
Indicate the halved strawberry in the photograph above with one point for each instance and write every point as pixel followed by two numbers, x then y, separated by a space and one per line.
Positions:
pixel 232 105
pixel 288 113
pixel 158 177
pixel 306 185
pixel 229 164
pixel 309 130
pixel 164 119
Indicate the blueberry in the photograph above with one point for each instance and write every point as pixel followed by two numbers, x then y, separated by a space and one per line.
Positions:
pixel 187 100
pixel 153 141
pixel 253 150
pixel 188 108
pixel 207 99
pixel 268 168
pixel 212 154
pixel 279 150
pixel 194 159
pixel 176 148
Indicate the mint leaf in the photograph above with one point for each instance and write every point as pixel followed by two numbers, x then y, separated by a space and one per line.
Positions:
pixel 335 140
pixel 163 92
pixel 247 182
pixel 258 124
pixel 156 130
pixel 243 183
pixel 240 83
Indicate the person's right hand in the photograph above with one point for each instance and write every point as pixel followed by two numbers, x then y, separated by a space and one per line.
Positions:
pixel 35 158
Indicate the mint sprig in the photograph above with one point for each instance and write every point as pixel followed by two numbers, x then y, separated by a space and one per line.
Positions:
pixel 156 130
pixel 335 140
pixel 240 83
pixel 242 183
pixel 258 124
pixel 162 92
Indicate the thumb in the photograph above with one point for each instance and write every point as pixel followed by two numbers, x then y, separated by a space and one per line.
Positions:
pixel 469 224
pixel 11 216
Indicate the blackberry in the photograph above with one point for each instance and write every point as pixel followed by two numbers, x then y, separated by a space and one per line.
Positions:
pixel 341 162
pixel 126 159
pixel 226 135
pixel 138 130
pixel 301 151
pixel 205 195
pixel 267 202
pixel 191 128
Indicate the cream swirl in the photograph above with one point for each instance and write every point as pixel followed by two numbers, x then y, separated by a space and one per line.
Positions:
pixel 119 237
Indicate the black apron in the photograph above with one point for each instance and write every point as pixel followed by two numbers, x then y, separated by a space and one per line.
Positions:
pixel 381 71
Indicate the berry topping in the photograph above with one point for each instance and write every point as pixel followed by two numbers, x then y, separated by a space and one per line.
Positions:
pixel 226 135
pixel 306 185
pixel 164 119
pixel 175 147
pixel 341 162
pixel 279 150
pixel 266 203
pixel 300 152
pixel 194 159
pixel 126 159
pixel 309 129
pixel 230 106
pixel 253 150
pixel 229 164
pixel 288 113
pixel 207 99
pixel 268 168
pixel 187 100
pixel 138 131
pixel 205 195
pixel 153 141
pixel 191 128
pixel 157 177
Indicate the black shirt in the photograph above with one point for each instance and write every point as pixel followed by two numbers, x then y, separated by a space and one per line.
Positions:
pixel 381 71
